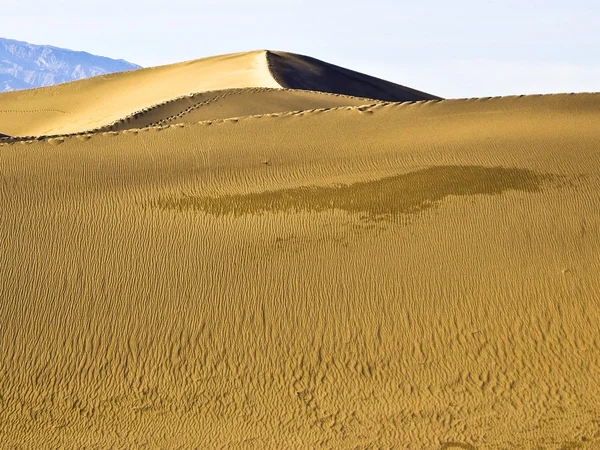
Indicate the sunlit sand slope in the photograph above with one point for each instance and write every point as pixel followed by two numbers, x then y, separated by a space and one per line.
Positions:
pixel 397 276
pixel 303 72
pixel 94 102
pixel 232 103
pixel 101 101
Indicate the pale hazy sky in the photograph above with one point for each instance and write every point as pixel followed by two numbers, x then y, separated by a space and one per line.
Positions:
pixel 460 48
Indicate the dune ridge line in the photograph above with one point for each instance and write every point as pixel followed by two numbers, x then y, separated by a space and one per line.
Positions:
pixel 428 103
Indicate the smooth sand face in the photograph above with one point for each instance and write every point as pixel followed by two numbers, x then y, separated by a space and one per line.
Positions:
pixel 295 71
pixel 99 101
pixel 396 276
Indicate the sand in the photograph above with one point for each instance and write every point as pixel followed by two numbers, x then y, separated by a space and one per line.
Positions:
pixel 388 275
pixel 295 71
pixel 98 102
pixel 95 102
pixel 232 103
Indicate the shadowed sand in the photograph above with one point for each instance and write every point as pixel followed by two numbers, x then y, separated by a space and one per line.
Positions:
pixel 294 71
pixel 402 194
pixel 384 275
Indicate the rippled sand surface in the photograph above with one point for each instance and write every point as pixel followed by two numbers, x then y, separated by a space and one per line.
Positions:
pixel 416 275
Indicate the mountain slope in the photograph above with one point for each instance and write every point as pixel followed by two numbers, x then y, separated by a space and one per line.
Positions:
pixel 24 65
pixel 101 101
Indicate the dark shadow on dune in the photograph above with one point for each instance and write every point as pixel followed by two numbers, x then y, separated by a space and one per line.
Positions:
pixel 4 136
pixel 402 194
pixel 295 71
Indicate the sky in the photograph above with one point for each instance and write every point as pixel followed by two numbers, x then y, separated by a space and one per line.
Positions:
pixel 454 49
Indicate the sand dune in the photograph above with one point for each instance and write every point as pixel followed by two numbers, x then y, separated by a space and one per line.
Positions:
pixel 231 103
pixel 303 72
pixel 415 275
pixel 99 102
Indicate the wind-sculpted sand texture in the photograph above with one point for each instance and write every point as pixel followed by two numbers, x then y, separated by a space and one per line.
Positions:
pixel 418 275
pixel 99 102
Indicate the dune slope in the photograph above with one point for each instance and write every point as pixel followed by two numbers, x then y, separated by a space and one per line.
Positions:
pixel 295 71
pixel 99 101
pixel 231 103
pixel 419 275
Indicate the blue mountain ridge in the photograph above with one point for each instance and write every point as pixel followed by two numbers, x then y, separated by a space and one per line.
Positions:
pixel 25 66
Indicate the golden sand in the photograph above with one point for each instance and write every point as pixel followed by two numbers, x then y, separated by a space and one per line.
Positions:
pixel 233 103
pixel 416 275
pixel 98 102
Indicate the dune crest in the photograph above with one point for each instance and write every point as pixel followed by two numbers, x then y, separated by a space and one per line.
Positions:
pixel 232 103
pixel 95 102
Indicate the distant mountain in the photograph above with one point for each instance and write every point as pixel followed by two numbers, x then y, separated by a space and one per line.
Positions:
pixel 24 66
